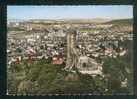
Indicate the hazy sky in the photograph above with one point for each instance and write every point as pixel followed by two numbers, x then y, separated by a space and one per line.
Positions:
pixel 59 12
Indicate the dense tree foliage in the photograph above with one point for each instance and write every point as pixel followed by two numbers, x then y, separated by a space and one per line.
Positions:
pixel 116 70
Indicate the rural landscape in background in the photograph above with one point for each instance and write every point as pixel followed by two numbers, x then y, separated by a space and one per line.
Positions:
pixel 69 50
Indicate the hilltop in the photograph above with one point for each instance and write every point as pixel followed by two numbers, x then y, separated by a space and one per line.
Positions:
pixel 84 21
pixel 120 22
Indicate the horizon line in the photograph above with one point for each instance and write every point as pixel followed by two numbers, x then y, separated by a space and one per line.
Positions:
pixel 64 18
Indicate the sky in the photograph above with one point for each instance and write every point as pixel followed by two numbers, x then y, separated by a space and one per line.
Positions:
pixel 70 12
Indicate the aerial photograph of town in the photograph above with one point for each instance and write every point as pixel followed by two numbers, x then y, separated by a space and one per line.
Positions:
pixel 70 50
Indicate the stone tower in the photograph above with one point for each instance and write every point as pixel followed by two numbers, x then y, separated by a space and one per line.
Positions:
pixel 72 53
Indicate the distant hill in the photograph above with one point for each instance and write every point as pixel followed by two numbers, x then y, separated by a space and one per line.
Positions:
pixel 120 22
pixel 94 20
pixel 16 20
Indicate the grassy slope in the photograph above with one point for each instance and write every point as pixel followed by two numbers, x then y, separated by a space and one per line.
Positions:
pixel 121 22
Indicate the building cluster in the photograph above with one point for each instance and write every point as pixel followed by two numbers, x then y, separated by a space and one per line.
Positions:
pixel 101 42
pixel 36 42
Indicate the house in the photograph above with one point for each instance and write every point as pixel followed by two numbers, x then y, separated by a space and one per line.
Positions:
pixel 57 59
pixel 108 51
